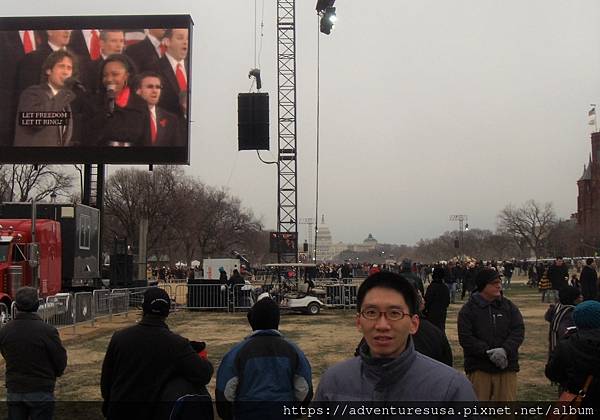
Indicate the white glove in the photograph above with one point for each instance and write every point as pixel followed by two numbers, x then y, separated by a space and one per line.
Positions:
pixel 498 357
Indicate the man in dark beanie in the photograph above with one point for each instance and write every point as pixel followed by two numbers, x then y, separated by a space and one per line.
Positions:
pixel 34 356
pixel 490 331
pixel 142 359
pixel 264 367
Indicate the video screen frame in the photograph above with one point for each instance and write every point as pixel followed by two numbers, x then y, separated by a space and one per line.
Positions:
pixel 157 137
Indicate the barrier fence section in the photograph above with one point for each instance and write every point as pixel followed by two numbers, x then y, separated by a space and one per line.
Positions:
pixel 82 307
pixel 203 296
pixel 64 310
pixel 242 297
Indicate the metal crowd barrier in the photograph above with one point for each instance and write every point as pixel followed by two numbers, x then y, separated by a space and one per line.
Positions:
pixel 203 296
pixel 242 297
pixel 82 307
pixel 58 310
pixel 64 310
pixel 101 303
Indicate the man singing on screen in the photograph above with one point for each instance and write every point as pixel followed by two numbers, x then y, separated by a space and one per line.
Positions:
pixel 44 111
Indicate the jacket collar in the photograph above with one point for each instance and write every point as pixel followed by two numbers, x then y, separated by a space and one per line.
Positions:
pixel 386 372
pixel 153 321
pixel 28 315
pixel 484 303
pixel 257 333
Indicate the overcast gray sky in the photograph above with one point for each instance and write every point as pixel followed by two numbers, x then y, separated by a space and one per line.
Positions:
pixel 428 108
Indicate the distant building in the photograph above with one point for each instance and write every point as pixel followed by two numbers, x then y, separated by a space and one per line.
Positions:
pixel 324 242
pixel 588 198
pixel 369 244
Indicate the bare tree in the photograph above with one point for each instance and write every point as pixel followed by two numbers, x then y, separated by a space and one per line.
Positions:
pixel 133 194
pixel 24 182
pixel 528 225
pixel 186 218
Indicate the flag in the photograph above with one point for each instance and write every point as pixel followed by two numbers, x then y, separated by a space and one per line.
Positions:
pixel 592 116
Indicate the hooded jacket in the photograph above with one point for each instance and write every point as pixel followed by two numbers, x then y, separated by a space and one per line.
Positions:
pixel 411 376
pixel 573 360
pixel 484 325
pixel 264 367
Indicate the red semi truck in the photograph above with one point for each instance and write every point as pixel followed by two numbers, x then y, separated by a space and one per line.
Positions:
pixel 54 250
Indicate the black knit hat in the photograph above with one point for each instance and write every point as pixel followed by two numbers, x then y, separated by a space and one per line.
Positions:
pixel 156 302
pixel 438 273
pixel 264 315
pixel 568 295
pixel 27 299
pixel 484 277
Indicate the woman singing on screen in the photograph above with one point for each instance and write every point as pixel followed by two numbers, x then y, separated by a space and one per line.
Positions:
pixel 120 118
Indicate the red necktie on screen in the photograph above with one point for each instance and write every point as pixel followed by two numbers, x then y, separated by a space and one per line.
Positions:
pixel 152 128
pixel 181 81
pixel 162 48
pixel 27 42
pixel 95 45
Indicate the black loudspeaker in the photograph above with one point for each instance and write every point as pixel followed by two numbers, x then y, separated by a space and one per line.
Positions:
pixel 121 270
pixel 253 121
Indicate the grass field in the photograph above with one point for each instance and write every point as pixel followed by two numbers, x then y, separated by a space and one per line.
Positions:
pixel 326 339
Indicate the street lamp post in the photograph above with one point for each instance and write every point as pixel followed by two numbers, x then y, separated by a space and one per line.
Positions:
pixel 461 218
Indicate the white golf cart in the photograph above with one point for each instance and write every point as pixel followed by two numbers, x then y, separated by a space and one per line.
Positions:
pixel 297 292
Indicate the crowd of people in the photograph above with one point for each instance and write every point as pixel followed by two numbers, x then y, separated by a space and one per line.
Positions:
pixel 149 372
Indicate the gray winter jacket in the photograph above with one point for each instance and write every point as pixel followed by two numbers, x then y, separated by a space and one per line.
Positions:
pixel 410 377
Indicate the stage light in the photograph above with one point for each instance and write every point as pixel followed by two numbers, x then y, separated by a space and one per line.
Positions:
pixel 327 20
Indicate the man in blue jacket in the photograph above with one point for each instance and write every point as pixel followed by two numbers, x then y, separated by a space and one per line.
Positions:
pixel 263 371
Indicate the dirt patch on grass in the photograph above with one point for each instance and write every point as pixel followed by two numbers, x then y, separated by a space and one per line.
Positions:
pixel 326 339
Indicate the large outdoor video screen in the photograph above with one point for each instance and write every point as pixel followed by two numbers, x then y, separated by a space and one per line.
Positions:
pixel 95 89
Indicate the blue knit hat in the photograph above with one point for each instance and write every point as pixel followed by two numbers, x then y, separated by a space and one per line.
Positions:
pixel 587 315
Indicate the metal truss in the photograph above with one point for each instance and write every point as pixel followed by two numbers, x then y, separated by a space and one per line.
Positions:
pixel 287 198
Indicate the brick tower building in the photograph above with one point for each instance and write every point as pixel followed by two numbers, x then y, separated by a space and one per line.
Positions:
pixel 588 198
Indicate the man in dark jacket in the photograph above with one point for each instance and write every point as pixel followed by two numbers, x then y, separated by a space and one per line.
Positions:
pixel 437 299
pixel 589 280
pixel 490 331
pixel 558 274
pixel 264 368
pixel 142 359
pixel 34 356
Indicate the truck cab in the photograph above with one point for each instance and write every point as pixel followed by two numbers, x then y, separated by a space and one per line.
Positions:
pixel 24 262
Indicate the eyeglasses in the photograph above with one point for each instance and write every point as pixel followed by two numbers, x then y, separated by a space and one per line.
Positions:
pixel 392 315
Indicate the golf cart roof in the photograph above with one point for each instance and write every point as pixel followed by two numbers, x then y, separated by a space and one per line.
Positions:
pixel 289 265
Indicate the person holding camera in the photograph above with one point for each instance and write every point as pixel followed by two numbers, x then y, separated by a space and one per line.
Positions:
pixel 142 360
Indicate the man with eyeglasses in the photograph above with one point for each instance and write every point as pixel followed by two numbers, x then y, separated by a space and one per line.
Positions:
pixel 490 331
pixel 388 368
pixel 164 126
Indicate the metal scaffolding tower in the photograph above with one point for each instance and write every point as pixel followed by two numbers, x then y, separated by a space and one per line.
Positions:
pixel 287 198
